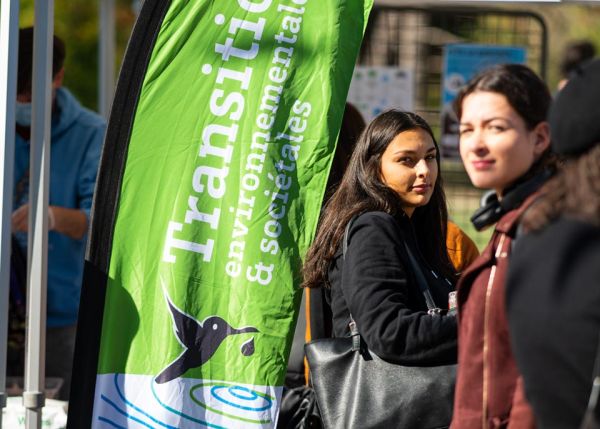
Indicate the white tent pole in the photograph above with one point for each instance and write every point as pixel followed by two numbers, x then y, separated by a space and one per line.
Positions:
pixel 39 172
pixel 107 42
pixel 9 38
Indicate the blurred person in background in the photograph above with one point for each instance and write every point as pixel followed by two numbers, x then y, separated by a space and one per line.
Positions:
pixel 505 146
pixel 353 124
pixel 75 146
pixel 575 54
pixel 314 318
pixel 553 290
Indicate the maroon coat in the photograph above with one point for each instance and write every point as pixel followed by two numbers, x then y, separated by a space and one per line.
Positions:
pixel 489 388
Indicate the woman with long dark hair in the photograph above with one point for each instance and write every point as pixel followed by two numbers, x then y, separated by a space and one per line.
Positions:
pixel 392 195
pixel 505 146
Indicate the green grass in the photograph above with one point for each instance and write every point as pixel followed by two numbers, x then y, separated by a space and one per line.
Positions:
pixel 463 200
pixel 461 218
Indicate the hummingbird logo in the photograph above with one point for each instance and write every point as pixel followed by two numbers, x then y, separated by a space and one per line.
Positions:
pixel 200 341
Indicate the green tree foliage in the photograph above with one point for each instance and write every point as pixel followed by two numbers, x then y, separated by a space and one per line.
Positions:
pixel 77 23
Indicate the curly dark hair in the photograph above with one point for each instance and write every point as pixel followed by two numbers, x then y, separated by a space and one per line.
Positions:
pixel 575 55
pixel 362 190
pixel 574 191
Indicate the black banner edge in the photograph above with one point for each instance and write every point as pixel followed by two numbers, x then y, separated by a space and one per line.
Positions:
pixel 102 219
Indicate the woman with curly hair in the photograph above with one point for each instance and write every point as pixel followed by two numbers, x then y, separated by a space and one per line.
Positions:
pixel 553 294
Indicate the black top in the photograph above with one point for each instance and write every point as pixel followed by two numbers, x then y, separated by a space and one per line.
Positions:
pixel 374 283
pixel 553 302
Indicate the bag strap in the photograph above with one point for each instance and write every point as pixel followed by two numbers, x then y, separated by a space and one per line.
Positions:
pixel 352 325
pixel 592 413
pixel 346 233
pixel 421 280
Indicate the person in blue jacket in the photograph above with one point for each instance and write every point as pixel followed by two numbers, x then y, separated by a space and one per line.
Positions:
pixel 75 146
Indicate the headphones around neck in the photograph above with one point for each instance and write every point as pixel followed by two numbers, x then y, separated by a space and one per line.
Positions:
pixel 492 209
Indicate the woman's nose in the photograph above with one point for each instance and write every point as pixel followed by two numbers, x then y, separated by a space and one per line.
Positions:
pixel 474 142
pixel 422 168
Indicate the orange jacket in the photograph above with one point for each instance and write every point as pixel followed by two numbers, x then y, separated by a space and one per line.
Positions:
pixel 461 249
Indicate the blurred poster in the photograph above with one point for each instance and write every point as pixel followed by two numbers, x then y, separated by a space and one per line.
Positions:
pixel 461 63
pixel 376 89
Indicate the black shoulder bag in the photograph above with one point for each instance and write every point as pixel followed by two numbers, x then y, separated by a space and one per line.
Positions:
pixel 357 389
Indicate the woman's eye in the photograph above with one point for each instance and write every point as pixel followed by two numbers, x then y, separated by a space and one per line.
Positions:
pixel 496 128
pixel 405 160
pixel 430 157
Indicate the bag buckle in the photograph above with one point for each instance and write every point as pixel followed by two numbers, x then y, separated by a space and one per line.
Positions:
pixel 355 336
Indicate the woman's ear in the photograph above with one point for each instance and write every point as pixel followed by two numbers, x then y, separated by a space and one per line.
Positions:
pixel 541 134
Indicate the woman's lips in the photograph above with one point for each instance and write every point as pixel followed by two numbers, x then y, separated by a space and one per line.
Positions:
pixel 421 189
pixel 482 165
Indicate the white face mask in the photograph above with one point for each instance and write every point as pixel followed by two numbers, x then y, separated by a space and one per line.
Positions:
pixel 23 114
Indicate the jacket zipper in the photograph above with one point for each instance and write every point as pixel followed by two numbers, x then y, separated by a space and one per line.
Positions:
pixel 488 295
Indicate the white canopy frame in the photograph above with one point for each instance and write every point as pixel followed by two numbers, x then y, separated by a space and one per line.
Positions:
pixel 9 27
pixel 33 397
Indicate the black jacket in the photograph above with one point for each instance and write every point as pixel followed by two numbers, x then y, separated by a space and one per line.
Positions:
pixel 553 303
pixel 374 284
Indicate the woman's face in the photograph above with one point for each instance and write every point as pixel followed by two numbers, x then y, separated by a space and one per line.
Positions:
pixel 409 167
pixel 495 144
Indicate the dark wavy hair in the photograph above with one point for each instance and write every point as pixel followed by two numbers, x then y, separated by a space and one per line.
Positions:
pixel 524 90
pixel 362 190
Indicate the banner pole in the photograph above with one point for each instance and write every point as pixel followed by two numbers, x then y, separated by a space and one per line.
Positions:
pixel 106 60
pixel 33 396
pixel 9 36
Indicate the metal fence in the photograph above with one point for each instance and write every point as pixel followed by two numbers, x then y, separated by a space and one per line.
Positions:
pixel 414 38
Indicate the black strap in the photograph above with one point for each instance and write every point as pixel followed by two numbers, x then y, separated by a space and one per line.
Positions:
pixel 421 280
pixel 594 402
pixel 346 233
pixel 352 325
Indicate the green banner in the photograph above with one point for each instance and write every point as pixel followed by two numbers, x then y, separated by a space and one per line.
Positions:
pixel 226 166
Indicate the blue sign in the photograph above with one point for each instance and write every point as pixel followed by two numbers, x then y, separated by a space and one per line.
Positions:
pixel 463 61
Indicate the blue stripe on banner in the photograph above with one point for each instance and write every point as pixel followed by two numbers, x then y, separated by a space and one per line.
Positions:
pixel 139 410
pixel 110 422
pixel 179 413
pixel 120 411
